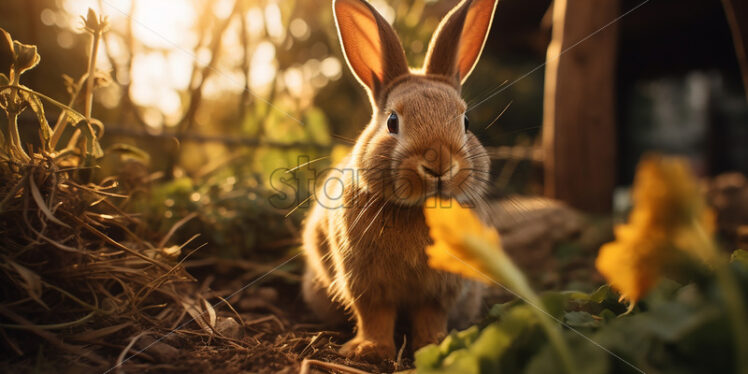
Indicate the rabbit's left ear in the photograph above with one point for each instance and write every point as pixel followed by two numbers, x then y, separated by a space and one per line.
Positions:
pixel 458 41
pixel 371 47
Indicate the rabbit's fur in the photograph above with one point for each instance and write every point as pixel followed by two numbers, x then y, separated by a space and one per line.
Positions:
pixel 364 238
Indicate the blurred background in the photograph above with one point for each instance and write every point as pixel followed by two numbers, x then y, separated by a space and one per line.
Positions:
pixel 221 95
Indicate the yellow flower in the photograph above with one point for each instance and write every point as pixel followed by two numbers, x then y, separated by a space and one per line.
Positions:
pixel 464 245
pixel 669 215
pixel 633 262
pixel 453 229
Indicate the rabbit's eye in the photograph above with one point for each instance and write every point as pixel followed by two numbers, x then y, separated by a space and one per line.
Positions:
pixel 467 123
pixel 393 125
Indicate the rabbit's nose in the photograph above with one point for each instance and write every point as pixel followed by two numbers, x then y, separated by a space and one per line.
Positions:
pixel 429 171
pixel 436 172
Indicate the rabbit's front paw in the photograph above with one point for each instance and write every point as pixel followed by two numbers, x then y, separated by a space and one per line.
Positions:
pixel 361 349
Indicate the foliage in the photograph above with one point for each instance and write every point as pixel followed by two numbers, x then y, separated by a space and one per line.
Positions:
pixel 676 329
pixel 235 216
pixel 696 325
pixel 83 131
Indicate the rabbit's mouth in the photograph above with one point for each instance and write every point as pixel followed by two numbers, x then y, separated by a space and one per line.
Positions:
pixel 413 185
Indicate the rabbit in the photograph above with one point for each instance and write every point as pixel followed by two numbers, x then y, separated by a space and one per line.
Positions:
pixel 365 235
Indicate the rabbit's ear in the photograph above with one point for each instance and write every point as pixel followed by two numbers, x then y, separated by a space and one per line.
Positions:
pixel 458 41
pixel 371 47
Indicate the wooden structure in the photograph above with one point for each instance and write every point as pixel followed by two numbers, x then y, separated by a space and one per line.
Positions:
pixel 737 16
pixel 579 132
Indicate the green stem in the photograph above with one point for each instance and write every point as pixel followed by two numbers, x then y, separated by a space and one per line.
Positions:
pixel 91 71
pixel 15 138
pixel 733 297
pixel 737 312
pixel 12 112
pixel 519 283
pixel 502 267
pixel 66 109
pixel 62 123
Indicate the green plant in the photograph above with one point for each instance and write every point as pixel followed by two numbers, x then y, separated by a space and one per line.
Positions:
pixel 15 98
pixel 676 328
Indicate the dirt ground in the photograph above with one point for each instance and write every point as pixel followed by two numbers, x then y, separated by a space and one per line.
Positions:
pixel 264 327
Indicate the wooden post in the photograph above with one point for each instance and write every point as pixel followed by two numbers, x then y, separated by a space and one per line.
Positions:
pixel 737 16
pixel 579 136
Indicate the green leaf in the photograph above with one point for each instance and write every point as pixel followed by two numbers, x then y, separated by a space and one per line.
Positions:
pixel 490 350
pixel 26 57
pixel 428 357
pixel 739 256
pixel 581 319
pixel 463 361
pixel 554 303
pixel 35 103
pixel 498 310
pixel 671 321
pixel 431 356
pixel 459 340
pixel 589 358
pixel 601 294
pixel 93 148
pixel 608 315
pixel 77 117
pixel 97 151
pixel 6 44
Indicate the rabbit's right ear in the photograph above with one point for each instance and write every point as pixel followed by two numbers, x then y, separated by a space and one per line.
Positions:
pixel 371 47
pixel 457 43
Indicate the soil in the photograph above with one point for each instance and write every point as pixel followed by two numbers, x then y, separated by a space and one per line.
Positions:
pixel 267 328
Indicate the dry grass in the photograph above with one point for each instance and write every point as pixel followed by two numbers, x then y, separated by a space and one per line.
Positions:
pixel 83 288
pixel 72 265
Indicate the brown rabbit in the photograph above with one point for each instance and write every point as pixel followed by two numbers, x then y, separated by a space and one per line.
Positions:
pixel 364 238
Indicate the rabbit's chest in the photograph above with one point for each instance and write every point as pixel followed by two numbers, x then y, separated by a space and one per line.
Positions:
pixel 391 261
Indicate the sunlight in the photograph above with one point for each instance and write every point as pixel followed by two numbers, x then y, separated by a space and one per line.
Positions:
pixel 255 22
pixel 164 52
pixel 153 83
pixel 274 22
pixel 165 26
pixel 263 65
pixel 158 24
pixel 165 23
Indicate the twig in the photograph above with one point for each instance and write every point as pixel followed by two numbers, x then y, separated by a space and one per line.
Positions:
pixel 267 318
pixel 51 338
pixel 11 343
pixel 174 228
pixel 118 245
pixel 54 326
pixel 399 361
pixel 122 354
pixel 308 363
